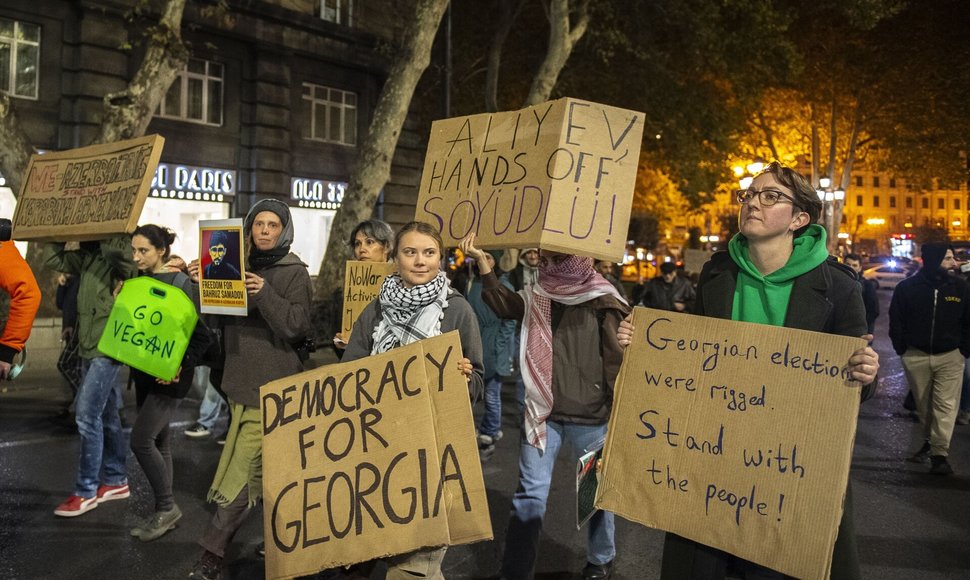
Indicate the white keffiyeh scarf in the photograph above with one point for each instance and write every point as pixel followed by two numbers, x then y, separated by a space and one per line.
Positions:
pixel 409 314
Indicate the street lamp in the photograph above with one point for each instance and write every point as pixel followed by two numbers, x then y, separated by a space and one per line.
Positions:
pixel 831 200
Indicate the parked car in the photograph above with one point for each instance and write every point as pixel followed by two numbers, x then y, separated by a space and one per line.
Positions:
pixel 888 275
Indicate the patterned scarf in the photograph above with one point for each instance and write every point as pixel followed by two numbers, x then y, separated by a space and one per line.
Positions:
pixel 409 314
pixel 571 281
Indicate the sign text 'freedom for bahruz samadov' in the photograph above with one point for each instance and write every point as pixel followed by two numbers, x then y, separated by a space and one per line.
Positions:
pixel 559 175
pixel 370 458
pixel 88 193
pixel 735 435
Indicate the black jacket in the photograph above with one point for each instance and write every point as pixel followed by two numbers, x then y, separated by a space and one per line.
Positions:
pixel 931 315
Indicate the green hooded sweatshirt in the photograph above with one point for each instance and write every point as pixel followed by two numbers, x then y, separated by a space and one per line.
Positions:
pixel 764 299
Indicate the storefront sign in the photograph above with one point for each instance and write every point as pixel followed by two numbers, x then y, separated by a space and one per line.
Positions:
pixel 317 193
pixel 191 182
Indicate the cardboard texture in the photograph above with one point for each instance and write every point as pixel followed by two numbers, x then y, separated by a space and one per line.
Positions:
pixel 694 260
pixel 735 435
pixel 362 284
pixel 559 175
pixel 88 193
pixel 370 458
pixel 222 269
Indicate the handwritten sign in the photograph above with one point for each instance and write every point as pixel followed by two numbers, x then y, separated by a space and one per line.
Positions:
pixel 371 458
pixel 88 193
pixel 362 284
pixel 222 270
pixel 736 435
pixel 559 175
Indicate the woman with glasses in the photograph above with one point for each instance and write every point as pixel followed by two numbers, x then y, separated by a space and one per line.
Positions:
pixel 777 271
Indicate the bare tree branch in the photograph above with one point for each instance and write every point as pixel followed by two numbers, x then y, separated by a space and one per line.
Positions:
pixel 563 36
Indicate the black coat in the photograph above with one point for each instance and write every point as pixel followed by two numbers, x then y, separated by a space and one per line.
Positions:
pixel 825 299
pixel 932 315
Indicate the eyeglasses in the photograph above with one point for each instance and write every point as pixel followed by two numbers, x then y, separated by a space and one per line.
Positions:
pixel 767 197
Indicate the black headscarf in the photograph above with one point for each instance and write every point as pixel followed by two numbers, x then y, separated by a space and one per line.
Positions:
pixel 259 259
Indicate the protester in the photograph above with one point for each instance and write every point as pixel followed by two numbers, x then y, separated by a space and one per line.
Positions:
pixel 606 270
pixel 869 296
pixel 102 473
pixel 569 359
pixel 498 337
pixel 151 436
pixel 17 280
pixel 527 272
pixel 371 241
pixel 777 271
pixel 417 303
pixel 668 291
pixel 259 348
pixel 929 325
pixel 68 362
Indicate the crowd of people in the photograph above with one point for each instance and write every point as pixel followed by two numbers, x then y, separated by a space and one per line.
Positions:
pixel 555 325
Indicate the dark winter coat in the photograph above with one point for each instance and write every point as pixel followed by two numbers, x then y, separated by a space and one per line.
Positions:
pixel 931 314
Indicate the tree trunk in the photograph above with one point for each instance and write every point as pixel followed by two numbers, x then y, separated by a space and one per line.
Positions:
pixel 816 147
pixel 563 36
pixel 373 164
pixel 846 176
pixel 15 149
pixel 508 15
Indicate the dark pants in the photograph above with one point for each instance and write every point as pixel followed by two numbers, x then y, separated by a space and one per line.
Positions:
pixel 224 524
pixel 151 442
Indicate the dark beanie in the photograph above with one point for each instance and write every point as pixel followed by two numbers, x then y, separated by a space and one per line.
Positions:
pixel 933 254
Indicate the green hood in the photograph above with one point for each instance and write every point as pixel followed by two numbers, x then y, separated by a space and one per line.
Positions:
pixel 764 299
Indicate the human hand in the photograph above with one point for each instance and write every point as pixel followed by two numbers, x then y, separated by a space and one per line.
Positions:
pixel 175 379
pixel 194 271
pixel 624 334
pixel 4 370
pixel 864 363
pixel 339 341
pixel 465 367
pixel 468 248
pixel 66 334
pixel 254 283
pixel 118 287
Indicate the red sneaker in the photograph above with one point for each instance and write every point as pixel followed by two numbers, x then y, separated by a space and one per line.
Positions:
pixel 75 506
pixel 110 492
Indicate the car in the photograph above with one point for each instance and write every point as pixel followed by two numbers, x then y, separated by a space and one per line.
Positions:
pixel 888 275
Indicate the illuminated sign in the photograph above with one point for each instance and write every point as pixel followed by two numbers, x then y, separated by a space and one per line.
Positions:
pixel 317 193
pixel 190 182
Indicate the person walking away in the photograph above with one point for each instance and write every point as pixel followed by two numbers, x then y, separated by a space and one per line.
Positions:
pixel 151 437
pixel 259 348
pixel 102 473
pixel 777 271
pixel 606 270
pixel 668 291
pixel 869 296
pixel 569 359
pixel 929 325
pixel 417 303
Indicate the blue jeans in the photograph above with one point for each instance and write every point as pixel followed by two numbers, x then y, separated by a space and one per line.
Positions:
pixel 492 419
pixel 212 403
pixel 104 446
pixel 529 501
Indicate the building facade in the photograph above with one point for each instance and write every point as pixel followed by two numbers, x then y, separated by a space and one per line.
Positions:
pixel 273 102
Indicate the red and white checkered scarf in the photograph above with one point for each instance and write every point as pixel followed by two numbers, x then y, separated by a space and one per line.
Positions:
pixel 570 281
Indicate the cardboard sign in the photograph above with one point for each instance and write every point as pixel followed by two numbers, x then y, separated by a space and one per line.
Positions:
pixel 362 284
pixel 559 175
pixel 222 270
pixel 736 435
pixel 88 193
pixel 370 458
pixel 149 327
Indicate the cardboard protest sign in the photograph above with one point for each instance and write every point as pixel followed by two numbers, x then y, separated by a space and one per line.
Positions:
pixel 370 458
pixel 559 175
pixel 88 193
pixel 222 269
pixel 149 327
pixel 362 284
pixel 736 435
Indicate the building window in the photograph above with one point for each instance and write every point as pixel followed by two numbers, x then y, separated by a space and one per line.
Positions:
pixel 337 11
pixel 892 221
pixel 909 202
pixel 892 201
pixel 19 58
pixel 858 200
pixel 195 94
pixel 941 203
pixel 333 115
pixel 925 203
pixel 875 181
pixel 956 204
pixel 858 180
pixel 892 182
pixel 875 201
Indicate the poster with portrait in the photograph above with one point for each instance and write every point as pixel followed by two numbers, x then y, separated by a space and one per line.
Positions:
pixel 222 270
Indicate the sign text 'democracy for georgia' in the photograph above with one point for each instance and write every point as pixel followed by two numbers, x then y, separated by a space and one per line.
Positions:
pixel 735 435
pixel 370 458
pixel 558 175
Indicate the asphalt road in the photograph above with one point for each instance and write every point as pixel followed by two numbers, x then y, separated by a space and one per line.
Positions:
pixel 911 525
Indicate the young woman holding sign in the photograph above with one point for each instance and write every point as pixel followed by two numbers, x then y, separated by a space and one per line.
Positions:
pixel 414 304
pixel 158 399
pixel 777 271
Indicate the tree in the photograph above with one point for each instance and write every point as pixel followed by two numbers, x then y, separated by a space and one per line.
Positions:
pixel 373 163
